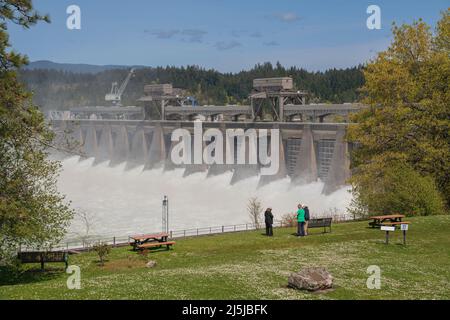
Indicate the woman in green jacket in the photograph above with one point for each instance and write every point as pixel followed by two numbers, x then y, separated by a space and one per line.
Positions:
pixel 301 221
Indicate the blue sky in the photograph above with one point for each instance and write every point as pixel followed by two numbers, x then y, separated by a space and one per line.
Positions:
pixel 228 35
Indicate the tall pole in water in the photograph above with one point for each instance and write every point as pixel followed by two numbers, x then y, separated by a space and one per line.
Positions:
pixel 165 215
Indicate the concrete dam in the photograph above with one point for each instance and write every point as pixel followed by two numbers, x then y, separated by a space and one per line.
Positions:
pixel 310 141
pixel 120 158
pixel 308 151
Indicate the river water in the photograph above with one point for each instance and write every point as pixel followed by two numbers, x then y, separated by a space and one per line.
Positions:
pixel 119 202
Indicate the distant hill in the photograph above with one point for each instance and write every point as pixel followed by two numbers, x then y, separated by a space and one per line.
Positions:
pixel 74 67
pixel 63 86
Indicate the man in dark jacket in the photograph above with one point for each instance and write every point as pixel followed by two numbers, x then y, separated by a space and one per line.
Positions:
pixel 306 219
pixel 268 218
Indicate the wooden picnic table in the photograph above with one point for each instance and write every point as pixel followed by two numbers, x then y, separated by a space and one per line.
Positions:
pixel 380 220
pixel 147 238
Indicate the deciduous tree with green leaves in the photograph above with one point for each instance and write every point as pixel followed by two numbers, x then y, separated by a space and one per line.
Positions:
pixel 32 212
pixel 407 123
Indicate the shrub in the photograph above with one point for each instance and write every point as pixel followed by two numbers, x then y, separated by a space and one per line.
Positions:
pixel 289 219
pixel 102 250
pixel 394 188
pixel 254 209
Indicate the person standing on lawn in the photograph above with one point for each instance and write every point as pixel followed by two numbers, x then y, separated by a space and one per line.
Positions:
pixel 306 209
pixel 268 217
pixel 301 221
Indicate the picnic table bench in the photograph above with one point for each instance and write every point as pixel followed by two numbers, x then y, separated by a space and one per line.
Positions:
pixel 378 221
pixel 320 223
pixel 156 244
pixel 148 241
pixel 395 223
pixel 42 257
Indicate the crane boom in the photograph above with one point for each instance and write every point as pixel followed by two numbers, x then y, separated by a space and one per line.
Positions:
pixel 125 83
pixel 116 93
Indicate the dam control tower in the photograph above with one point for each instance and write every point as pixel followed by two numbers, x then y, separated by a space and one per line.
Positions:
pixel 157 97
pixel 276 92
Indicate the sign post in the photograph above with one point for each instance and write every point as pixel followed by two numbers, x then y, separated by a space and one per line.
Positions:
pixel 387 229
pixel 165 215
pixel 404 228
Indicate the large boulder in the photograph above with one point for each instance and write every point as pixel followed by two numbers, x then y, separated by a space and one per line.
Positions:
pixel 311 279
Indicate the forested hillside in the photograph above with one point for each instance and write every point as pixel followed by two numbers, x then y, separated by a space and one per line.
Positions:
pixel 61 90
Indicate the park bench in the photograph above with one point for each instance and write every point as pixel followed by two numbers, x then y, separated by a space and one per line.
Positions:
pixel 155 244
pixel 378 221
pixel 43 257
pixel 320 223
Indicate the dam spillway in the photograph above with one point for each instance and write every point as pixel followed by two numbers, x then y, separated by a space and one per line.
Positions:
pixel 120 160
pixel 308 151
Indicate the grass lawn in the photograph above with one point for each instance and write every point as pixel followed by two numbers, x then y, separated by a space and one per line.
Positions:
pixel 248 265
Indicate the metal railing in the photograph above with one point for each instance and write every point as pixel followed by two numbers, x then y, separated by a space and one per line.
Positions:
pixel 86 243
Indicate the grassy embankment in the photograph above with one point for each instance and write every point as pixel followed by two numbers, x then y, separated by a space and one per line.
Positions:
pixel 248 265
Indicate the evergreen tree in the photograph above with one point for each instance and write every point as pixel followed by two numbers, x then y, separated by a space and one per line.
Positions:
pixel 32 212
pixel 63 90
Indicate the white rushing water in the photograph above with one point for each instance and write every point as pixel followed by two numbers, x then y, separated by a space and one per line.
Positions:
pixel 119 202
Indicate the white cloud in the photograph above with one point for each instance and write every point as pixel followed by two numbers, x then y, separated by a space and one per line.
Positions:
pixel 271 43
pixel 221 45
pixel 163 34
pixel 194 35
pixel 256 34
pixel 287 16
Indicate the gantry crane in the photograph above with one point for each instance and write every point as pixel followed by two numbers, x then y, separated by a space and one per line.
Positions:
pixel 115 96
